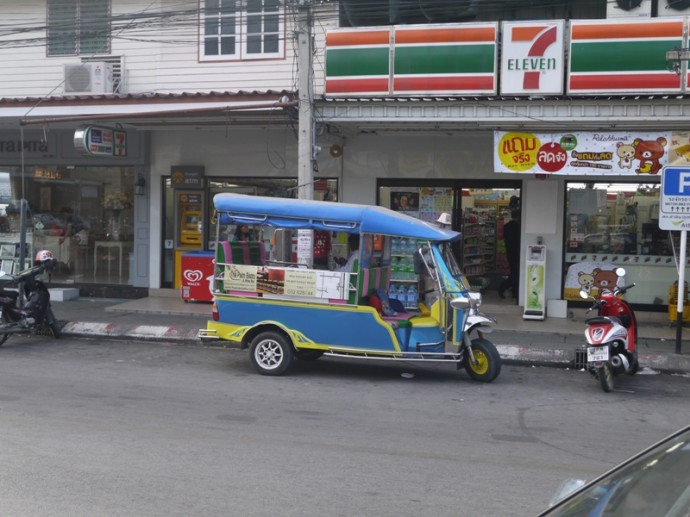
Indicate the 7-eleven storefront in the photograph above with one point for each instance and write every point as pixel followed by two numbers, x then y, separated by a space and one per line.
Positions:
pixel 585 151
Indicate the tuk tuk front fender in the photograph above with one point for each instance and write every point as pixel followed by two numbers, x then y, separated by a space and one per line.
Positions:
pixel 479 322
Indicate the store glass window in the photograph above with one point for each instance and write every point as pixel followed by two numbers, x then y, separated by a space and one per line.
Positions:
pixel 478 213
pixel 84 215
pixel 612 225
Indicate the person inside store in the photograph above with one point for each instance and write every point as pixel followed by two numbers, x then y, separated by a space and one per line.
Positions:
pixel 322 247
pixel 346 266
pixel 511 238
pixel 242 233
pixel 78 235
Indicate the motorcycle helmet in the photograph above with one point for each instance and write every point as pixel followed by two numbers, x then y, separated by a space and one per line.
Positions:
pixel 45 258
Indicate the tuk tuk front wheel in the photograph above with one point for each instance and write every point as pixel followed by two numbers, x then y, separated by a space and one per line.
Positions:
pixel 487 364
pixel 271 353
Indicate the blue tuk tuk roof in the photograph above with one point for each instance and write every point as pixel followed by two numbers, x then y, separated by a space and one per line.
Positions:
pixel 304 214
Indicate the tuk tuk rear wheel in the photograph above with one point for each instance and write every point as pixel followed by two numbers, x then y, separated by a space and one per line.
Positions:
pixel 487 361
pixel 271 353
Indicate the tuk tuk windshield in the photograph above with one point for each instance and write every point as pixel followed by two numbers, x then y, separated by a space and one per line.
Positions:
pixel 453 267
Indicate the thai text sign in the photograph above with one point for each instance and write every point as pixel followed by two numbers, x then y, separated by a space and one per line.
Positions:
pixel 582 153
pixel 532 58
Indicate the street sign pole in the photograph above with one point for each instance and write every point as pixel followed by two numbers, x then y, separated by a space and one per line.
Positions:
pixel 681 289
pixel 674 215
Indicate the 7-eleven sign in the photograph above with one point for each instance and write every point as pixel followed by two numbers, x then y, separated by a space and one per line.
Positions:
pixel 532 58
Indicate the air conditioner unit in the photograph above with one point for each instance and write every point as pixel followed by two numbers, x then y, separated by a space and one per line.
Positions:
pixel 629 9
pixel 89 78
pixel 674 8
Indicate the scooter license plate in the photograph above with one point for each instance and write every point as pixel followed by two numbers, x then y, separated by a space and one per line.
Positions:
pixel 597 354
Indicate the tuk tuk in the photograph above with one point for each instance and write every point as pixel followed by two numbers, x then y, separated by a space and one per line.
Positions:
pixel 279 309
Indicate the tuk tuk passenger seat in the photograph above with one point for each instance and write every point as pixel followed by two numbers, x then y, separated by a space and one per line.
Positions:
pixel 248 253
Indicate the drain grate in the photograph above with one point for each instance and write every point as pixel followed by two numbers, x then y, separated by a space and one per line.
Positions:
pixel 580 359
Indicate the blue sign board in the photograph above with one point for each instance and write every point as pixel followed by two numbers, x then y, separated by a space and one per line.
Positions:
pixel 674 206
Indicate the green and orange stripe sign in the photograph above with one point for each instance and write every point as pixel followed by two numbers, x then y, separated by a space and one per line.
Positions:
pixel 431 59
pixel 623 57
pixel 445 59
pixel 358 62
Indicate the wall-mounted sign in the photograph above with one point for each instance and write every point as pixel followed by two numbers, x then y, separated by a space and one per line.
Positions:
pixel 621 56
pixel 100 141
pixel 187 176
pixel 583 153
pixel 413 60
pixel 674 209
pixel 532 58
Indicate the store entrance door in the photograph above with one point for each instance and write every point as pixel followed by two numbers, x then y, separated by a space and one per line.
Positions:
pixel 478 209
pixel 484 212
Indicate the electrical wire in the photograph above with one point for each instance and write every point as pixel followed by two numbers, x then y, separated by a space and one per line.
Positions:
pixel 181 26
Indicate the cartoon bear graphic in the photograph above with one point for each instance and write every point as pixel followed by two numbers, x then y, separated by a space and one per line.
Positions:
pixel 605 279
pixel 586 281
pixel 625 152
pixel 649 152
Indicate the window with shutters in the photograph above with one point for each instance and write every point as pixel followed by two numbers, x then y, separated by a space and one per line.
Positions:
pixel 241 29
pixel 78 27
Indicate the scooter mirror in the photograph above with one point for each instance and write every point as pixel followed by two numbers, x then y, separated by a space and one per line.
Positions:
pixel 620 272
pixel 584 294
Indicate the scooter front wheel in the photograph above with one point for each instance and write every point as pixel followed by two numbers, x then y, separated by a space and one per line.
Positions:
pixel 3 320
pixel 605 375
pixel 53 324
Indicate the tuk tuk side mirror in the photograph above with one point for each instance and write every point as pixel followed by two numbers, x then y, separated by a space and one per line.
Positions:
pixel 584 294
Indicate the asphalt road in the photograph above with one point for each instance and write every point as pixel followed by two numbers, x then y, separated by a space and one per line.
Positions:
pixel 124 428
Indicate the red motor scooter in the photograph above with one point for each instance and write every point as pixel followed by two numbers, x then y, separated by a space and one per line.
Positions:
pixel 611 336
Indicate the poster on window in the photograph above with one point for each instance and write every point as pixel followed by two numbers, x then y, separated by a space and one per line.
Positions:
pixel 634 153
pixel 433 201
pixel 405 201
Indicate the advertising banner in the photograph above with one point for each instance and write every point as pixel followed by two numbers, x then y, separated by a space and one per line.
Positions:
pixel 635 153
pixel 288 281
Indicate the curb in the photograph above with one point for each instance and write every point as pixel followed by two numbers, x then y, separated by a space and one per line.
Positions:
pixel 131 332
pixel 510 354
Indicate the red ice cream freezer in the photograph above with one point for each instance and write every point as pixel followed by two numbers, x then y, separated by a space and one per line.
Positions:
pixel 197 276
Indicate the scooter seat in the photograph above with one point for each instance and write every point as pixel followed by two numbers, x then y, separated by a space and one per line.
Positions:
pixel 599 320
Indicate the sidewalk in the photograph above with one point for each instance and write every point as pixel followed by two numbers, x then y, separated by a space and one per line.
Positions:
pixel 163 316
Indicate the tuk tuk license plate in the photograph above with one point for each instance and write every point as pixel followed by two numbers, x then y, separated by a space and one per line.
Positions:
pixel 597 354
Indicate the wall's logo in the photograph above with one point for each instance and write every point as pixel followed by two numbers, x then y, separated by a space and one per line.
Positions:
pixel 193 275
pixel 532 58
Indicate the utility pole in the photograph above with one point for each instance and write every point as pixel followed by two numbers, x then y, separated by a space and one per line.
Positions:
pixel 306 150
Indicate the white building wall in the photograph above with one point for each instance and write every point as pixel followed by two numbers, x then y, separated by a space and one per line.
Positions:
pixel 161 58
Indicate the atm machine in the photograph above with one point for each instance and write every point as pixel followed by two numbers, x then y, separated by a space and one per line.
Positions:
pixel 189 227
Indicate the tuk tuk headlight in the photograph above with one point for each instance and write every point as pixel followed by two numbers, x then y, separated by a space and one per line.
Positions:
pixel 476 299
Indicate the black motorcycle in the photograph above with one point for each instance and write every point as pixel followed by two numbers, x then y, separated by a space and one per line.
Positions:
pixel 36 316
